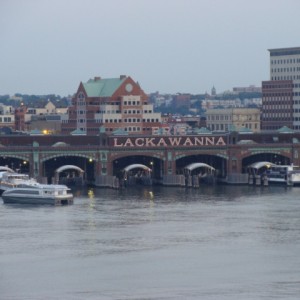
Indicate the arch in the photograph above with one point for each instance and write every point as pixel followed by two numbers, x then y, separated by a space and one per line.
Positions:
pixel 149 154
pixel 217 164
pixel 194 166
pixel 68 167
pixel 47 157
pixel 55 179
pixel 60 144
pixel 6 169
pixel 137 166
pixel 261 159
pixel 184 155
pixel 260 164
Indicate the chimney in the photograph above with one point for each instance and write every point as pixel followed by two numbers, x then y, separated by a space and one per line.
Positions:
pixel 97 78
pixel 122 77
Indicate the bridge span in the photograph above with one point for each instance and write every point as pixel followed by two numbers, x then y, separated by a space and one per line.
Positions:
pixel 104 157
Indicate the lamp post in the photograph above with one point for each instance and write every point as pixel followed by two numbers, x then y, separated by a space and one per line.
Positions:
pixel 151 167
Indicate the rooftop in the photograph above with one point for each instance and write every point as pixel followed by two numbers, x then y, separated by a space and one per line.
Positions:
pixel 99 87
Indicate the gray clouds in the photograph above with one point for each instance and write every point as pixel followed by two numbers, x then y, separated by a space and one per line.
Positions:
pixel 49 46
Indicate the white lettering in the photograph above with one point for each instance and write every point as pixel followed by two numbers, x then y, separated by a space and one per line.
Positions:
pixel 166 130
pixel 220 142
pixel 137 143
pixel 199 141
pixel 188 142
pixel 149 142
pixel 175 141
pixel 128 143
pixel 155 130
pixel 116 143
pixel 210 141
pixel 162 143
pixel 170 141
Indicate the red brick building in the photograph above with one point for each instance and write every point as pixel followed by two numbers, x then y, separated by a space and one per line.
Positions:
pixel 20 118
pixel 110 104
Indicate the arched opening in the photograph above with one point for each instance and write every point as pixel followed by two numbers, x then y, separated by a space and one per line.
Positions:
pixel 72 175
pixel 137 174
pixel 197 162
pixel 84 163
pixel 142 166
pixel 273 158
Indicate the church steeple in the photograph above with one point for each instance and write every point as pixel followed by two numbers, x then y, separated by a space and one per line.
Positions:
pixel 213 91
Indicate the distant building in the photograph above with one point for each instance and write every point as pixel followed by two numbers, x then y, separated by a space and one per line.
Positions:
pixel 237 118
pixel 281 94
pixel 213 91
pixel 46 124
pixel 182 100
pixel 210 103
pixel 248 89
pixel 20 118
pixel 7 116
pixel 110 104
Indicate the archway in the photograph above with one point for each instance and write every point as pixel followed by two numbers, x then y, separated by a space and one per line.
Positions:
pixel 87 164
pixel 153 163
pixel 70 178
pixel 136 174
pixel 266 157
pixel 212 162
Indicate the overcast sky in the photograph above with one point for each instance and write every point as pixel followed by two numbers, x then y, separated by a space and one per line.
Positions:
pixel 170 46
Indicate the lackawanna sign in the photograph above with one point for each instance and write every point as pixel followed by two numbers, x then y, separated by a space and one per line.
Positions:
pixel 169 141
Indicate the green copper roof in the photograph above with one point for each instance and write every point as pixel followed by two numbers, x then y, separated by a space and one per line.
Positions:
pixel 102 87
pixel 78 132
pixel 285 129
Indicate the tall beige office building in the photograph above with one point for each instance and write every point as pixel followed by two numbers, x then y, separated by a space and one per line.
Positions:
pixel 281 94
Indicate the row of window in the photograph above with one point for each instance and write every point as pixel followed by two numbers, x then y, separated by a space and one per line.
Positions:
pixel 108 111
pixel 226 118
pixel 283 96
pixel 291 69
pixel 131 103
pixel 129 120
pixel 224 127
pixel 289 77
pixel 285 61
pixel 274 107
pixel 270 116
pixel 134 120
pixel 212 118
pixel 273 111
pixel 5 120
pixel 130 129
pixel 288 94
pixel 277 86
pixel 272 102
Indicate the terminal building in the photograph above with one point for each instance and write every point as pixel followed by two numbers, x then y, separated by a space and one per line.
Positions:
pixel 281 94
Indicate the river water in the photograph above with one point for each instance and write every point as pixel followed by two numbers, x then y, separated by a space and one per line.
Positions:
pixel 215 242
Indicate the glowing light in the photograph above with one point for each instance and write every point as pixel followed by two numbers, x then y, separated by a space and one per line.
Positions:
pixel 90 159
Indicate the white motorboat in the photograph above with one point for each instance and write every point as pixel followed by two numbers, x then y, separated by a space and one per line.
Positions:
pixel 287 174
pixel 36 193
pixel 12 179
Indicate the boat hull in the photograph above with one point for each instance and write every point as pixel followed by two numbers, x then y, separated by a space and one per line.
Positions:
pixel 16 199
